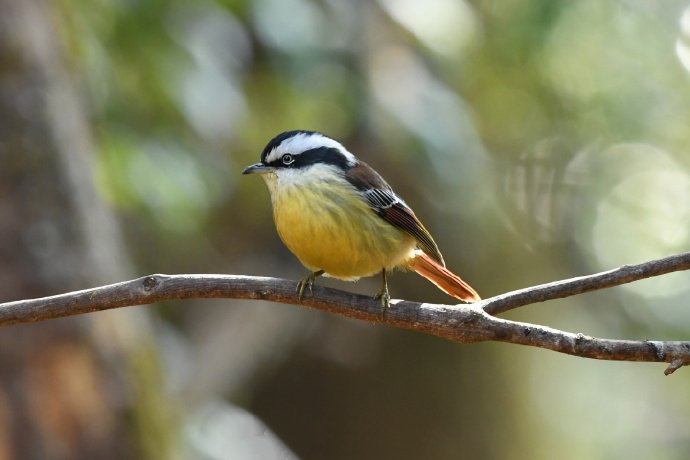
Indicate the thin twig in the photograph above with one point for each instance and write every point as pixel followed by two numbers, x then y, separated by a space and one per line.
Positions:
pixel 459 323
pixel 572 286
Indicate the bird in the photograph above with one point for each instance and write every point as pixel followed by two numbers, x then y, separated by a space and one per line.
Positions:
pixel 341 219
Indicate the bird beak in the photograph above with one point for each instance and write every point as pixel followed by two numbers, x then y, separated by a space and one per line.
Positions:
pixel 257 168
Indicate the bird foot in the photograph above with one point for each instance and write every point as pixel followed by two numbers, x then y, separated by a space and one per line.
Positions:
pixel 307 282
pixel 383 294
pixel 385 298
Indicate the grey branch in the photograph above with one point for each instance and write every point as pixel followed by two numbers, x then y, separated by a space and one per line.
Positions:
pixel 572 286
pixel 460 323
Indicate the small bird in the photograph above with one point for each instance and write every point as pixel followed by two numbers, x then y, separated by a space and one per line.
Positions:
pixel 341 219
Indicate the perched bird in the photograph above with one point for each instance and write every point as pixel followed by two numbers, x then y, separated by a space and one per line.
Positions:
pixel 341 219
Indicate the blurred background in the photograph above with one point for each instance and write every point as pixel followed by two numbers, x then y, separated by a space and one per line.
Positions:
pixel 536 139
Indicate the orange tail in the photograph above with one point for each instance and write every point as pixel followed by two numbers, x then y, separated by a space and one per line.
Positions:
pixel 447 281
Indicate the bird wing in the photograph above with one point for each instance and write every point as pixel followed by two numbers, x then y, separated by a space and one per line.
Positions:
pixel 389 206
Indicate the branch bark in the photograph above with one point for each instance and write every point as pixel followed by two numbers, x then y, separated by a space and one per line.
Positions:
pixel 459 323
pixel 573 286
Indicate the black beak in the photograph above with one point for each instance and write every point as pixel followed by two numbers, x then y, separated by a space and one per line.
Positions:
pixel 257 168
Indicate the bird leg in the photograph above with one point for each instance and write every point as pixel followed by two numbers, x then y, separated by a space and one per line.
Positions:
pixel 383 294
pixel 307 281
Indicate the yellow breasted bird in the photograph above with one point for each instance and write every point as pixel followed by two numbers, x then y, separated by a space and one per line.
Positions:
pixel 341 219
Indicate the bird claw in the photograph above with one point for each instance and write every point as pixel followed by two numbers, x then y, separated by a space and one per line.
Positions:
pixel 307 282
pixel 384 295
pixel 385 298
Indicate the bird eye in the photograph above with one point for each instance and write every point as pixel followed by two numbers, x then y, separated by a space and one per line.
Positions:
pixel 287 159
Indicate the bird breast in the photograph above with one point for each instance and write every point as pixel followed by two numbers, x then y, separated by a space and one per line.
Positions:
pixel 328 226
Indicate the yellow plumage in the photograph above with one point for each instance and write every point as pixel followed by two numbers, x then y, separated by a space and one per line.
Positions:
pixel 327 226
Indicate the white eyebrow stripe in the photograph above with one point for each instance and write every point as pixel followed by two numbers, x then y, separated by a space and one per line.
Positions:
pixel 303 142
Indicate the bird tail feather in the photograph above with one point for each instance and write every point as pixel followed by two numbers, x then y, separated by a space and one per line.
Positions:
pixel 444 279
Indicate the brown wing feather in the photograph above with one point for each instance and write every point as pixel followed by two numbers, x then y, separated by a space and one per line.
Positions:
pixel 403 218
pixel 389 206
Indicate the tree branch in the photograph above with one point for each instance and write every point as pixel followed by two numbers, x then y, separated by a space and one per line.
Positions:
pixel 572 286
pixel 460 323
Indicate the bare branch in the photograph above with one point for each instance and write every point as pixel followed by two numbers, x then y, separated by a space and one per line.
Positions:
pixel 459 323
pixel 572 286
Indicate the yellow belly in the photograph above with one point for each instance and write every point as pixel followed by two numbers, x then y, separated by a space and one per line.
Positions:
pixel 328 227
